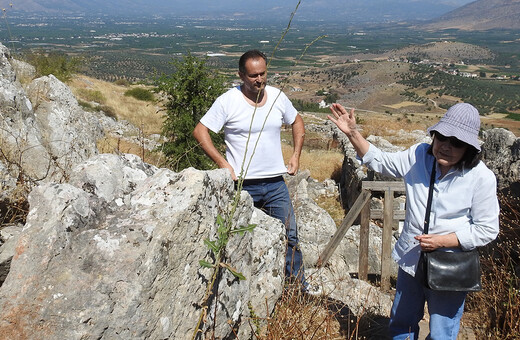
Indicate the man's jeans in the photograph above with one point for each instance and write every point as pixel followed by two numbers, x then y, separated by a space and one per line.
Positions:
pixel 272 196
pixel 445 309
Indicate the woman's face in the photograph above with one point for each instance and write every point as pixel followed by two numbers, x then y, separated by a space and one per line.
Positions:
pixel 448 151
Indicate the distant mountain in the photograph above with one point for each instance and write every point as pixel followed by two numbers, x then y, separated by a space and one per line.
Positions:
pixel 348 11
pixel 481 15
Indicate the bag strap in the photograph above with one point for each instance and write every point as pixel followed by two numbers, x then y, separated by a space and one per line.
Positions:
pixel 429 202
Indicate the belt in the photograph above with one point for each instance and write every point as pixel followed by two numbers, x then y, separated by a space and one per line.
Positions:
pixel 261 180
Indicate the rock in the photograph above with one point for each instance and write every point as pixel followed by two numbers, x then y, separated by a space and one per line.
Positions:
pixel 8 238
pixel 68 132
pixel 316 228
pixel 44 132
pixel 23 70
pixel 501 153
pixel 88 268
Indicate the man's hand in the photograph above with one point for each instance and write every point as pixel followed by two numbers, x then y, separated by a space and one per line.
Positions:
pixel 298 133
pixel 293 166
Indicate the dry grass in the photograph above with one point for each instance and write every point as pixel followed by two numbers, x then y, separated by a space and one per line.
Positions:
pixel 322 164
pixel 333 206
pixel 142 114
pixel 300 316
pixel 387 125
pixel 494 312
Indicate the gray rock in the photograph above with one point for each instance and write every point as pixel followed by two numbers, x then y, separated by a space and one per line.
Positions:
pixel 316 228
pixel 85 269
pixel 43 131
pixel 501 153
pixel 23 70
pixel 8 238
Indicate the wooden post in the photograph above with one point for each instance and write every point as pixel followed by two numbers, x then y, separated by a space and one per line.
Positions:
pixel 388 221
pixel 343 228
pixel 364 241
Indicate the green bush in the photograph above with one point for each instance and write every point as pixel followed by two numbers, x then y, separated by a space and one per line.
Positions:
pixel 58 64
pixel 190 91
pixel 140 94
pixel 91 96
pixel 122 82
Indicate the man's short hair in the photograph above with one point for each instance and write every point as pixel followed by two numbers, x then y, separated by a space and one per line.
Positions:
pixel 251 54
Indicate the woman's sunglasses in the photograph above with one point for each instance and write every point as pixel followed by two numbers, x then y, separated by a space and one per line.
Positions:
pixel 456 143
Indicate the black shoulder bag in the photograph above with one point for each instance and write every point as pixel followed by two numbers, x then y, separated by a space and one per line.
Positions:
pixel 446 270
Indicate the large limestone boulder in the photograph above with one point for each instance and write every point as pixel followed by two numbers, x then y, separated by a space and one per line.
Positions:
pixel 114 254
pixel 501 153
pixel 43 130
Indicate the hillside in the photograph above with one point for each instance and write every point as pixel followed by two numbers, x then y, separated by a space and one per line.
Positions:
pixel 373 85
pixel 480 15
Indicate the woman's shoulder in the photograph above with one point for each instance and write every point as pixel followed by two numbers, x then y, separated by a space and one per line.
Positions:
pixel 481 174
pixel 482 169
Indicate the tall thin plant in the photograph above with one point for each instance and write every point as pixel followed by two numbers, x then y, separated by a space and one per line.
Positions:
pixel 225 224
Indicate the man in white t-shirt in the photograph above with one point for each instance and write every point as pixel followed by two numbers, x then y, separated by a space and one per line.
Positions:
pixel 252 115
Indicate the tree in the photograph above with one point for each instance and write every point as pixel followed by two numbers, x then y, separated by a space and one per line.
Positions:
pixel 189 91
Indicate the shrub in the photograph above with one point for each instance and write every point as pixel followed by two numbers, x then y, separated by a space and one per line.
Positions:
pixel 122 82
pixel 91 95
pixel 140 93
pixel 190 92
pixel 108 111
pixel 58 64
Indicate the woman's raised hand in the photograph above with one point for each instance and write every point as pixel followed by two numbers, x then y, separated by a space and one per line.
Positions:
pixel 344 120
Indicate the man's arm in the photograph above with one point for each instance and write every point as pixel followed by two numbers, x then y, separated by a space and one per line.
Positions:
pixel 298 132
pixel 201 134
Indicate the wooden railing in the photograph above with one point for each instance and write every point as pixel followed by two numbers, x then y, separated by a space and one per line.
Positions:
pixel 361 207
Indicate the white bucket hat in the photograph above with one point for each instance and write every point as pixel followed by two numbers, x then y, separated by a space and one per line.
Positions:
pixel 461 121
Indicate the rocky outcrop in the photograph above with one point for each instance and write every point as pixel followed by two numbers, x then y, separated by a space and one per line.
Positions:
pixel 43 131
pixel 114 254
pixel 501 153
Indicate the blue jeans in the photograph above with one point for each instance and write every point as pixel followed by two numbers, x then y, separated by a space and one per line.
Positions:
pixel 272 196
pixel 445 309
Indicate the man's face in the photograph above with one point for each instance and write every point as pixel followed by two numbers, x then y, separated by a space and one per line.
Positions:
pixel 255 77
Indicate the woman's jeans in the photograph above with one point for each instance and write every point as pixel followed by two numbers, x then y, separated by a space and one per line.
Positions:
pixel 272 196
pixel 445 309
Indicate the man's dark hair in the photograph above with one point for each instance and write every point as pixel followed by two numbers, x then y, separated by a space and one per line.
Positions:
pixel 251 54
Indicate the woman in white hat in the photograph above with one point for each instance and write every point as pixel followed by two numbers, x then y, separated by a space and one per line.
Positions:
pixel 464 211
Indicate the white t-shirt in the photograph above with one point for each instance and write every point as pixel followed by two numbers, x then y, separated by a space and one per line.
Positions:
pixel 244 127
